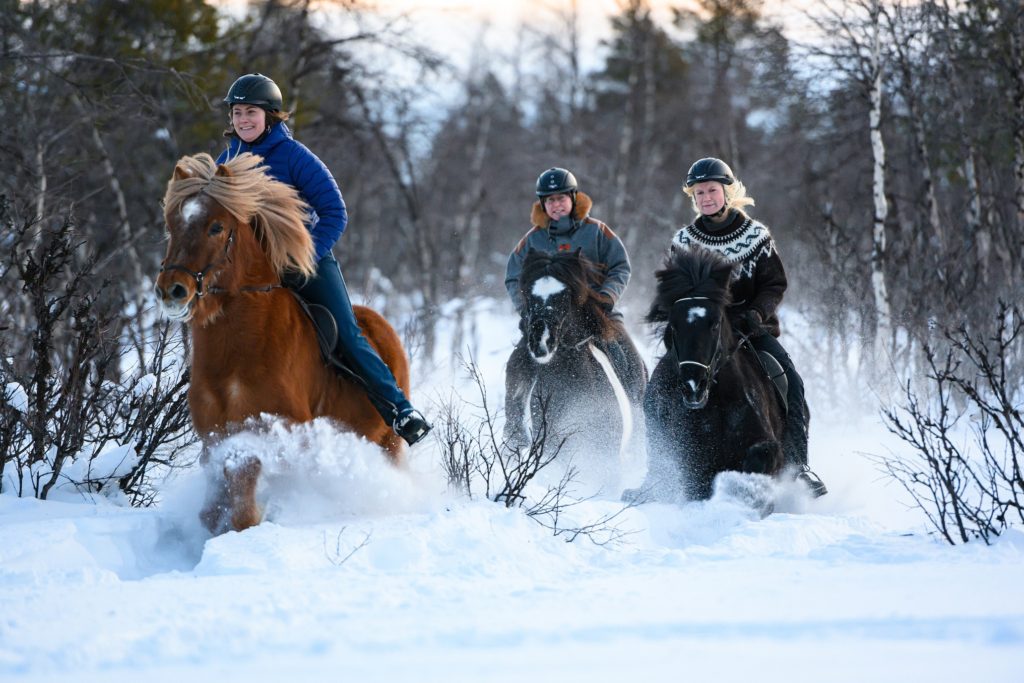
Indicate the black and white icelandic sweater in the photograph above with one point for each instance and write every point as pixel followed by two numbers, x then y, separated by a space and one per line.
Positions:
pixel 758 279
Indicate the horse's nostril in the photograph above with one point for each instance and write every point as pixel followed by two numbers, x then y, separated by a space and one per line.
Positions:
pixel 178 292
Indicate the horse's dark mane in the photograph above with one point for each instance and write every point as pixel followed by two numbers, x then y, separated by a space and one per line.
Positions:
pixel 693 271
pixel 571 269
pixel 580 275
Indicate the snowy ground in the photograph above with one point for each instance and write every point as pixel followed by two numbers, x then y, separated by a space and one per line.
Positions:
pixel 365 573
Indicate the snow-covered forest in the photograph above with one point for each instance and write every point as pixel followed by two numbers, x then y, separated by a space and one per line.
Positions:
pixel 883 142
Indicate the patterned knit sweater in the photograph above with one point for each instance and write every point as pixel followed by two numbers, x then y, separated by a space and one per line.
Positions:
pixel 758 279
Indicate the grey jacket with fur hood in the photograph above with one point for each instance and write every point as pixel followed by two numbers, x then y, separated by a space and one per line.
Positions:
pixel 599 244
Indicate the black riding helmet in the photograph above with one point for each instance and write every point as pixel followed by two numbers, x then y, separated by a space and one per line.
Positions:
pixel 556 181
pixel 255 89
pixel 707 169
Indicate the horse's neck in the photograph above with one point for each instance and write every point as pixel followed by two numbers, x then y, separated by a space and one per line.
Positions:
pixel 242 324
pixel 578 329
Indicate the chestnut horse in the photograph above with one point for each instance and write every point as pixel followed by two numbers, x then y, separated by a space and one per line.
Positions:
pixel 233 232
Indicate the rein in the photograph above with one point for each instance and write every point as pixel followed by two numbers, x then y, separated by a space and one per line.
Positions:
pixel 200 275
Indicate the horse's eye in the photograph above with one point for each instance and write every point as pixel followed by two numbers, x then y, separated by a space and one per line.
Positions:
pixel 216 228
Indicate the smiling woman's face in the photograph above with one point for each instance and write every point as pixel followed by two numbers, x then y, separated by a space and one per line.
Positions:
pixel 709 197
pixel 249 121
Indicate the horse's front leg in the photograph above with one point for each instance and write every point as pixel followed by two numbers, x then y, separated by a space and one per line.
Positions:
pixel 764 457
pixel 213 514
pixel 520 378
pixel 240 477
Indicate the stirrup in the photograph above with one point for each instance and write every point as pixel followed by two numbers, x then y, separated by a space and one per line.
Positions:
pixel 411 426
pixel 812 481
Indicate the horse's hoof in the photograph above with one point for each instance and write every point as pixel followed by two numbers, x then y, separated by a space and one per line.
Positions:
pixel 248 516
pixel 637 496
pixel 241 476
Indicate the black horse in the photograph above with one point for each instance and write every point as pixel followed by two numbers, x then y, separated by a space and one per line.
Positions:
pixel 710 405
pixel 576 365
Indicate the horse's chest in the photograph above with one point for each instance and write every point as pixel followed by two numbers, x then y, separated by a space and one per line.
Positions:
pixel 214 405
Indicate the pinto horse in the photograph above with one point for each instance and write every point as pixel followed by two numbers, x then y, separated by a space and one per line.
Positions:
pixel 576 389
pixel 233 232
pixel 710 407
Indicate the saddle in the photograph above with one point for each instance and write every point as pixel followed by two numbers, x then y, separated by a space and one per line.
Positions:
pixel 773 368
pixel 326 336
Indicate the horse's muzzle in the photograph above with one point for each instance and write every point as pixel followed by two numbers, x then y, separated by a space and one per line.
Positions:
pixel 542 344
pixel 697 404
pixel 695 390
pixel 175 301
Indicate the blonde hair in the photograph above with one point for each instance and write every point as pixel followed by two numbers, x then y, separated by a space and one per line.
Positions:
pixel 735 196
pixel 274 210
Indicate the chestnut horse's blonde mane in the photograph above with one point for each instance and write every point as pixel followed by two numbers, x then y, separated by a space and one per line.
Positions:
pixel 274 210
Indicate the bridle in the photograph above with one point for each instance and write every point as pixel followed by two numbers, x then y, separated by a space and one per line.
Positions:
pixel 711 369
pixel 718 360
pixel 200 275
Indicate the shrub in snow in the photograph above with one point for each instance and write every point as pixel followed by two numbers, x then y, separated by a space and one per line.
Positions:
pixel 478 460
pixel 70 418
pixel 966 469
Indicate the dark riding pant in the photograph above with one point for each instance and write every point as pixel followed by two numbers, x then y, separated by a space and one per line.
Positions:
pixel 796 417
pixel 327 288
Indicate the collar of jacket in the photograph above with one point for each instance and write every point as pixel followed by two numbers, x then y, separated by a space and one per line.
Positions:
pixel 734 222
pixel 279 132
pixel 581 211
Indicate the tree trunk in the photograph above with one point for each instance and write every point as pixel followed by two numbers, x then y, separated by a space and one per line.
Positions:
pixel 1017 65
pixel 467 229
pixel 883 333
pixel 628 134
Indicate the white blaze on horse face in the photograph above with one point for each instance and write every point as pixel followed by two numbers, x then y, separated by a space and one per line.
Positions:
pixel 545 348
pixel 546 287
pixel 696 313
pixel 191 210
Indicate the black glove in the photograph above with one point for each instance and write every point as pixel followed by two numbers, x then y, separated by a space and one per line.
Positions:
pixel 606 301
pixel 749 322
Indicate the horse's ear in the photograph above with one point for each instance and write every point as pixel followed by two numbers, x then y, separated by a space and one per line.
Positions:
pixel 180 172
pixel 223 171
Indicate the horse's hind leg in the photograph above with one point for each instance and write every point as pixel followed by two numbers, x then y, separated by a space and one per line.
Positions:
pixel 241 476
pixel 764 457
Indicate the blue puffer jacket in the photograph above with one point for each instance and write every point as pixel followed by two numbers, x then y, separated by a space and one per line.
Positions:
pixel 291 162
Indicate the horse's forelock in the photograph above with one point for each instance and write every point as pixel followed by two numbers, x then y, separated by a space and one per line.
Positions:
pixel 574 271
pixel 690 272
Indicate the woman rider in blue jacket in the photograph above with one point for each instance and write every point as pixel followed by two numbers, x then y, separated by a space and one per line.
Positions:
pixel 257 125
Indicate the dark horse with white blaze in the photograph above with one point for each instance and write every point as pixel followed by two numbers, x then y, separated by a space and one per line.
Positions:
pixel 710 406
pixel 563 368
pixel 233 233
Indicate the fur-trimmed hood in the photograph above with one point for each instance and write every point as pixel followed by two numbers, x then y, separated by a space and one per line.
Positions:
pixel 580 211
